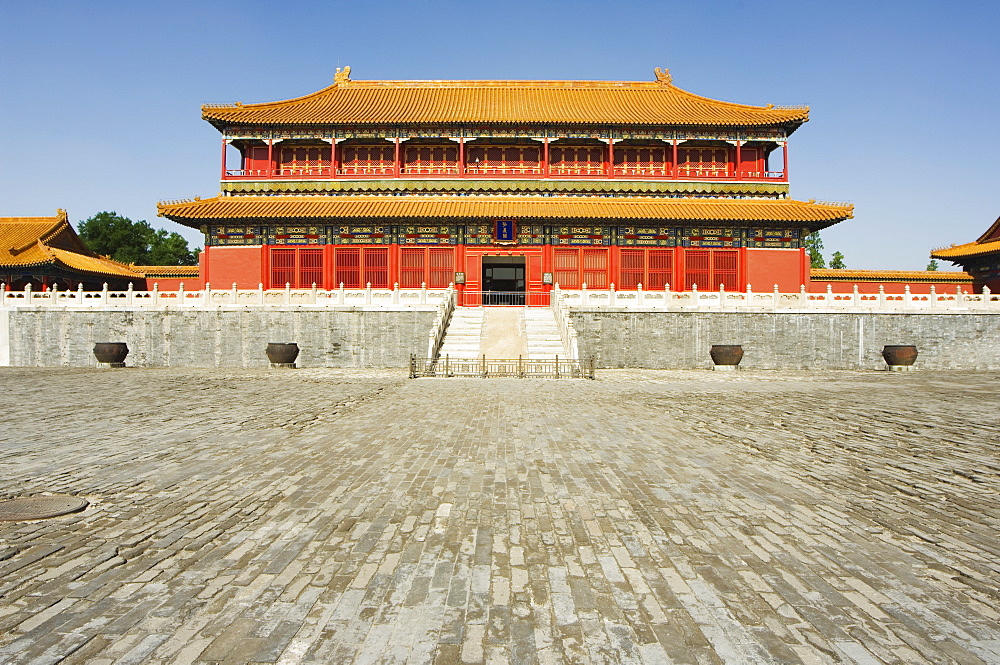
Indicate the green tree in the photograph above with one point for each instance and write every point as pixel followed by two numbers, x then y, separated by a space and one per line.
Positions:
pixel 837 261
pixel 110 234
pixel 814 245
pixel 933 265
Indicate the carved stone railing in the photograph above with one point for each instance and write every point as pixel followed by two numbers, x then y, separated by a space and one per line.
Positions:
pixel 208 297
pixel 446 307
pixel 565 323
pixel 729 301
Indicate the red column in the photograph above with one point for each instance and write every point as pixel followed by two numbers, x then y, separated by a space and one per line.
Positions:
pixel 270 158
pixel 611 158
pixel 224 144
pixel 676 166
pixel 461 158
pixel 334 161
pixel 736 171
pixel 784 158
pixel 396 160
pixel 545 158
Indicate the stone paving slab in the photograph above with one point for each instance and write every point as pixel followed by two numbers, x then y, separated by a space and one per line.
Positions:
pixel 330 516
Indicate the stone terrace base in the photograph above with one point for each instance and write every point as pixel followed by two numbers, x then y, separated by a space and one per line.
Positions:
pixel 327 516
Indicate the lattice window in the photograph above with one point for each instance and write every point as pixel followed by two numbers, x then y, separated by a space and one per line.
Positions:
pixel 711 268
pixel 310 268
pixel 283 267
pixel 411 264
pixel 303 160
pixel 376 267
pixel 567 268
pixel 367 158
pixel 514 159
pixel 725 269
pixel 348 267
pixel 633 268
pixel 595 268
pixel 576 159
pixel 640 160
pixel 703 161
pixel 441 268
pixel 659 267
pixel 297 267
pixel 649 267
pixel 431 158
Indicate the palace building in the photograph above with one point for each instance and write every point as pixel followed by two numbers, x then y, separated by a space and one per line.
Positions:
pixel 981 259
pixel 505 188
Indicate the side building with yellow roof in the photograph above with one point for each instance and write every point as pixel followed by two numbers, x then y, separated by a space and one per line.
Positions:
pixel 505 188
pixel 981 259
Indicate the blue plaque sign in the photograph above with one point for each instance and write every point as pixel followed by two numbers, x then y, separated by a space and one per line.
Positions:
pixel 505 231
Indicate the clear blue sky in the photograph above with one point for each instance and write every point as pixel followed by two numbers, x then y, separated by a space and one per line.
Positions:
pixel 100 101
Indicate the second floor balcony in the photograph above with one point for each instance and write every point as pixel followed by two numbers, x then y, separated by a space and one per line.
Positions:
pixel 526 160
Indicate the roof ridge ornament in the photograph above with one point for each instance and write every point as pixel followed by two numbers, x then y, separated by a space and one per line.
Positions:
pixel 663 76
pixel 342 76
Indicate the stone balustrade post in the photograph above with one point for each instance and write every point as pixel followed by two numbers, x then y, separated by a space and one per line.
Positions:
pixel 395 293
pixel 368 293
pixel 907 298
pixel 180 294
pixel 584 296
pixel 313 293
pixel 612 300
pixel 288 293
pixel 235 296
pixel 423 293
pixel 855 297
pixel 104 294
pixel 722 296
pixel 933 296
pixel 881 297
pixel 342 294
pixel 128 295
pixel 803 298
pixel 260 293
pixel 156 294
pixel 695 297
pixel 959 299
pixel 639 299
pixel 829 295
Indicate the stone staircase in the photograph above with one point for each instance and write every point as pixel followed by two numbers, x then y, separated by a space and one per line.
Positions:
pixel 503 332
pixel 464 335
pixel 541 334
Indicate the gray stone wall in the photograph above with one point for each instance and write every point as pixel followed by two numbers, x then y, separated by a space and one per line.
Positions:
pixel 215 337
pixel 786 340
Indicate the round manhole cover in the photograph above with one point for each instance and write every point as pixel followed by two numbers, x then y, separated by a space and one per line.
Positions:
pixel 39 507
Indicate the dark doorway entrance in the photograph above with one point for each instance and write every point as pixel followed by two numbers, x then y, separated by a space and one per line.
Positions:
pixel 503 280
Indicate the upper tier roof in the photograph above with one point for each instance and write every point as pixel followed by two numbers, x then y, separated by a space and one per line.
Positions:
pixel 757 211
pixel 36 241
pixel 658 103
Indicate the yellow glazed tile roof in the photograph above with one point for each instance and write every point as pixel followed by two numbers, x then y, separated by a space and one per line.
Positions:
pixel 656 102
pixel 36 241
pixel 968 249
pixel 834 275
pixel 818 215
pixel 168 271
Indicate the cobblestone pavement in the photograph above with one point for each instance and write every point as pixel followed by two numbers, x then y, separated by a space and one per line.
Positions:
pixel 326 516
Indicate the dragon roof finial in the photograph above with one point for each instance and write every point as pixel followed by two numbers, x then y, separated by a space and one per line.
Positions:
pixel 342 76
pixel 663 76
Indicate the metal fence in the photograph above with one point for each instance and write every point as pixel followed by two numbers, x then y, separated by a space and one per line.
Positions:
pixel 504 298
pixel 517 368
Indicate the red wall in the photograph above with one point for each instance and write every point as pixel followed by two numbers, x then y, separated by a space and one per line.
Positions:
pixel 788 268
pixel 221 266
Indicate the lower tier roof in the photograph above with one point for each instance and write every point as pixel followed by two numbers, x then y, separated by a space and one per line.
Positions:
pixel 754 212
